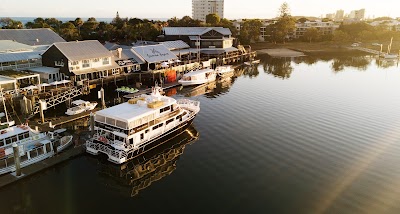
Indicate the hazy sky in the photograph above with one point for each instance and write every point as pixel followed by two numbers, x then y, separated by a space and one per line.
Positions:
pixel 179 8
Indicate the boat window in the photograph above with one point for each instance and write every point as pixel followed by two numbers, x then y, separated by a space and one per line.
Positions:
pixel 131 141
pixel 121 124
pixel 141 136
pixel 1 142
pixel 8 141
pixel 161 110
pixel 110 121
pixel 169 121
pixel 146 131
pixel 26 134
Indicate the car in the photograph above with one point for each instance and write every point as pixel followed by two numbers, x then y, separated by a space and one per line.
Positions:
pixel 355 45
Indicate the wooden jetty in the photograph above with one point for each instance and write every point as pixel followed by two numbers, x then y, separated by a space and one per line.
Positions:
pixel 148 90
pixel 42 165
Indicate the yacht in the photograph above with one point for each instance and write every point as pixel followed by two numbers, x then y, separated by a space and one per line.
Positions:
pixel 252 62
pixel 225 70
pixel 198 77
pixel 124 131
pixel 33 146
pixel 80 106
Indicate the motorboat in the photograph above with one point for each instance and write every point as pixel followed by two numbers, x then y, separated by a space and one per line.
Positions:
pixel 253 62
pixel 225 70
pixel 80 106
pixel 198 77
pixel 128 90
pixel 33 146
pixel 124 131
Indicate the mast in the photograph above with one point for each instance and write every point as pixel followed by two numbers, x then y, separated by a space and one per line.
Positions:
pixel 390 45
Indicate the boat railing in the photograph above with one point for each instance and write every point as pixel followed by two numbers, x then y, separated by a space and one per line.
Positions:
pixel 190 104
pixel 105 149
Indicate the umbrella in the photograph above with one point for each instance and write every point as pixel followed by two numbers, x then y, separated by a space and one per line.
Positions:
pixel 177 60
pixel 164 64
pixel 31 87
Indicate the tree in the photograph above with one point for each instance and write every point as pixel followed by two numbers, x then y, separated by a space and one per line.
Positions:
pixel 250 31
pixel 286 24
pixel 8 23
pixel 212 19
pixel 311 34
pixel 68 31
pixel 78 24
pixel 302 20
pixel 340 36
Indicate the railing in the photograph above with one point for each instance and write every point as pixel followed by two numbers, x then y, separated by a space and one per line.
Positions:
pixel 105 149
pixel 191 104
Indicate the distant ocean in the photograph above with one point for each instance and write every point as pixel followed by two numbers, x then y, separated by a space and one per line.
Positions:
pixel 24 20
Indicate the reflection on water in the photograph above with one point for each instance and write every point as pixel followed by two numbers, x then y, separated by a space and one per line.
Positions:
pixel 136 175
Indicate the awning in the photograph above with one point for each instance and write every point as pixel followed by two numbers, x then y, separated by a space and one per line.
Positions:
pixel 47 70
pixel 212 51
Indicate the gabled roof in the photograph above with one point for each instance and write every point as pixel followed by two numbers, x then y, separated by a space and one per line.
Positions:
pixel 13 46
pixel 40 36
pixel 173 45
pixel 154 53
pixel 80 50
pixel 194 31
pixel 128 54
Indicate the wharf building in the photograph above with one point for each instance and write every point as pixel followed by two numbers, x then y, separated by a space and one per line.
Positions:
pixel 201 8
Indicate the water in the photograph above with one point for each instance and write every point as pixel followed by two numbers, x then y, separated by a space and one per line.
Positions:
pixel 309 135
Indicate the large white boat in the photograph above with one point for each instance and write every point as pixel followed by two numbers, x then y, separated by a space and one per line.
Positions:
pixel 33 146
pixel 224 71
pixel 198 77
pixel 127 130
pixel 80 106
pixel 252 62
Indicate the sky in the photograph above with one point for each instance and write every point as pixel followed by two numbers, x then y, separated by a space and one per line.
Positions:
pixel 234 9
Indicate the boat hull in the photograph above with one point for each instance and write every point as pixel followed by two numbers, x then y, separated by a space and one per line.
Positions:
pixel 148 145
pixel 188 83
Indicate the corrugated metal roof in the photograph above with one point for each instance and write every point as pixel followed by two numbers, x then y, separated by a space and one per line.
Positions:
pixel 154 53
pixel 47 70
pixel 40 36
pixel 13 46
pixel 192 31
pixel 217 50
pixel 17 56
pixel 128 54
pixel 80 50
pixel 173 45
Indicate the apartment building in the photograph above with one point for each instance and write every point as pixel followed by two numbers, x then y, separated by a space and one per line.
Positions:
pixel 201 8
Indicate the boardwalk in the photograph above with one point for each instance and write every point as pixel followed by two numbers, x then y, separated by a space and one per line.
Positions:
pixel 367 50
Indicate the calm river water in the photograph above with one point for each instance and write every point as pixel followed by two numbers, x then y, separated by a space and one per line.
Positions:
pixel 306 135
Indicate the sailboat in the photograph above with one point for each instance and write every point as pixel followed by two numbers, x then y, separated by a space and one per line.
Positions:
pixel 388 55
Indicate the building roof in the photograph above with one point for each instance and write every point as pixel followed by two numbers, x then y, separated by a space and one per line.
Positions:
pixel 192 31
pixel 39 36
pixel 17 56
pixel 111 46
pixel 13 46
pixel 80 50
pixel 46 70
pixel 173 45
pixel 6 80
pixel 217 50
pixel 154 53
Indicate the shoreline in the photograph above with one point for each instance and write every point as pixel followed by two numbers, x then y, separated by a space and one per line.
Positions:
pixel 305 48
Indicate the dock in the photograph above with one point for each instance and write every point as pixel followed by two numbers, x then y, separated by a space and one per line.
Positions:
pixel 70 153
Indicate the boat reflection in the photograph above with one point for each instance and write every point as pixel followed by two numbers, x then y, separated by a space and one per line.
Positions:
pixel 144 170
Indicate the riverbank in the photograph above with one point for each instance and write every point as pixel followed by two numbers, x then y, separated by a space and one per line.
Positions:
pixel 304 47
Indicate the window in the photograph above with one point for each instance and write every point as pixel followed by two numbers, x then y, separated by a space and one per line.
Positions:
pixel 158 126
pixel 96 59
pixel 74 62
pixel 85 64
pixel 49 76
pixel 106 61
pixel 169 121
pixel 141 136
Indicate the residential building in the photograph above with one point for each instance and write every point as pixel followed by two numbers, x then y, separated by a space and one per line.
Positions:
pixel 325 28
pixel 357 14
pixel 201 8
pixel 391 25
pixel 207 40
pixel 339 16
pixel 330 16
pixel 80 60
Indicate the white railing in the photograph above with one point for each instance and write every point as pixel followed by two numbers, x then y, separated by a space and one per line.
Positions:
pixel 105 149
pixel 190 104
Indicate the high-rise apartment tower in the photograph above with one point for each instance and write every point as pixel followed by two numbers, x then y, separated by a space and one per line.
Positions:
pixel 201 8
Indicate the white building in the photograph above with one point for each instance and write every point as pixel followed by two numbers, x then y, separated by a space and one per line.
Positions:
pixel 325 28
pixel 201 8
pixel 357 14
pixel 339 15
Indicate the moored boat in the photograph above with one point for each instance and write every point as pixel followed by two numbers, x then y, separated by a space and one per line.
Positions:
pixel 198 77
pixel 33 146
pixel 225 70
pixel 253 62
pixel 127 130
pixel 80 106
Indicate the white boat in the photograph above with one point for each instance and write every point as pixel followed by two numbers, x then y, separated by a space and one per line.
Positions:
pixel 390 56
pixel 198 77
pixel 225 70
pixel 33 146
pixel 127 130
pixel 253 62
pixel 80 106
